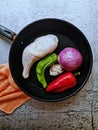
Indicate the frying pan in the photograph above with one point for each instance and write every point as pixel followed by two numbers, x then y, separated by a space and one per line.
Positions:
pixel 68 35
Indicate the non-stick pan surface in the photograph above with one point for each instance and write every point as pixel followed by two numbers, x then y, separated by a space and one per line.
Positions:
pixel 69 36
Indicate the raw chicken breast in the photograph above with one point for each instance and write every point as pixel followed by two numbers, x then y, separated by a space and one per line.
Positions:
pixel 41 47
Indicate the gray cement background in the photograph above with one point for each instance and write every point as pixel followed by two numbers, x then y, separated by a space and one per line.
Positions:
pixel 79 112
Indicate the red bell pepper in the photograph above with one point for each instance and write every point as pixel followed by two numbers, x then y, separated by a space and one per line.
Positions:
pixel 62 83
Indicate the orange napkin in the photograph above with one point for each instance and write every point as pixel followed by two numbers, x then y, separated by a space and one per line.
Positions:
pixel 11 96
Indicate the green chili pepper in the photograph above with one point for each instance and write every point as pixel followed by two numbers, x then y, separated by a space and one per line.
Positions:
pixel 42 65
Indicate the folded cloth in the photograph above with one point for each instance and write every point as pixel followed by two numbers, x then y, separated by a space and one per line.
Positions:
pixel 11 96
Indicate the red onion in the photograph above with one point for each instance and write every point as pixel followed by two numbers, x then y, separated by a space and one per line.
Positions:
pixel 70 59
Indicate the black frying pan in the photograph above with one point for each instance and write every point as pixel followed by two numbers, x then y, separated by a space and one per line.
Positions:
pixel 68 35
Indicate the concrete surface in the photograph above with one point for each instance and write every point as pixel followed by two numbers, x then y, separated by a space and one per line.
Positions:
pixel 79 112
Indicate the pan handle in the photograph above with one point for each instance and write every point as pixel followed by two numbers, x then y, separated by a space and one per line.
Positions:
pixel 7 33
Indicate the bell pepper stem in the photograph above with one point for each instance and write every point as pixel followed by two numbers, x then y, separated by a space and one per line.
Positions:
pixel 78 73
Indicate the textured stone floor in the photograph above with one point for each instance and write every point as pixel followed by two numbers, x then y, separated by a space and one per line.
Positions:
pixel 79 112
